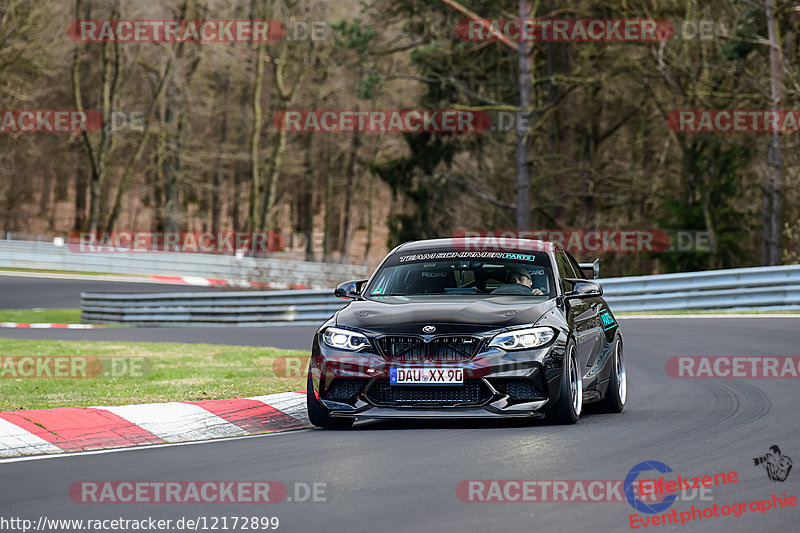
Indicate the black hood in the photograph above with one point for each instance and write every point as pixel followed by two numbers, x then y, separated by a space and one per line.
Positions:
pixel 407 315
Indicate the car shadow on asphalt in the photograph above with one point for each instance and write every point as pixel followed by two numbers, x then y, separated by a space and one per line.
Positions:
pixel 405 424
pixel 591 413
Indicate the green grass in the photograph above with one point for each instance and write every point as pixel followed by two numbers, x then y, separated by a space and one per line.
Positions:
pixel 55 271
pixel 52 316
pixel 177 372
pixel 48 316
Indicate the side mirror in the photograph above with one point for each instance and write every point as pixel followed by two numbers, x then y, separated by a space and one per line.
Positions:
pixel 591 268
pixel 349 290
pixel 582 288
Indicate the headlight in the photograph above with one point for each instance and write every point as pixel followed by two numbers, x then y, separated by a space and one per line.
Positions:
pixel 344 339
pixel 522 339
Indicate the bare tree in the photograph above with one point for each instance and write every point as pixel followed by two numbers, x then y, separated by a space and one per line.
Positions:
pixel 524 137
pixel 98 153
pixel 773 183
pixel 257 183
pixel 523 204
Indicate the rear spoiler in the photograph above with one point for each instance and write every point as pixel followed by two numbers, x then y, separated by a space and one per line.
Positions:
pixel 591 268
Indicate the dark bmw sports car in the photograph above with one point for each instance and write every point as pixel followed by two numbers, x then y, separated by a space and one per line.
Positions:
pixel 444 331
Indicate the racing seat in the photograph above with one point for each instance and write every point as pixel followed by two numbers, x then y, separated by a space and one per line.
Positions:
pixel 540 279
pixel 429 281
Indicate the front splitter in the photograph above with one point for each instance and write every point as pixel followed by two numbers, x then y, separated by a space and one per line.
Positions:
pixel 377 413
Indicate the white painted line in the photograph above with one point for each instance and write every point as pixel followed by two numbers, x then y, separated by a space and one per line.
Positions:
pixel 176 421
pixel 291 403
pixel 144 447
pixel 14 440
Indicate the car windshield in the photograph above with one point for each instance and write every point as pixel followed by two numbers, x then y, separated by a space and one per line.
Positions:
pixel 455 272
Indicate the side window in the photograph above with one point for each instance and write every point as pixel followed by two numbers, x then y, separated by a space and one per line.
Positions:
pixel 565 269
pixel 578 272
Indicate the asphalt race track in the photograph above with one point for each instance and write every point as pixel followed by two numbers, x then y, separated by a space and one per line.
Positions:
pixel 22 292
pixel 403 476
pixel 287 337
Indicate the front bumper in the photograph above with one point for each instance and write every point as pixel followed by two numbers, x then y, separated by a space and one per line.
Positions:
pixel 387 413
pixel 501 384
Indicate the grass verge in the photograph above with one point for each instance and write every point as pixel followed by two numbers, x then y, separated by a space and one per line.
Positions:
pixel 165 372
pixel 56 271
pixel 51 316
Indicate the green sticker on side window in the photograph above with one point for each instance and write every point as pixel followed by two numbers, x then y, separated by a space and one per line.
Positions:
pixel 519 257
pixel 379 290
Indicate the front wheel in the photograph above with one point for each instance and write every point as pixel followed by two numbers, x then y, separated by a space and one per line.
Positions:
pixel 568 408
pixel 617 392
pixel 320 415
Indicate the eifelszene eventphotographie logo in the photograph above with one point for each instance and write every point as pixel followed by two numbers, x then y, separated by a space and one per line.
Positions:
pixel 776 464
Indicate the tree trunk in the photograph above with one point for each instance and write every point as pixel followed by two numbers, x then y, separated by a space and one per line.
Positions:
pixel 271 198
pixel 257 191
pixel 131 165
pixel 170 162
pixel 328 238
pixel 76 92
pixel 218 172
pixel 306 200
pixel 523 137
pixel 370 221
pixel 238 215
pixel 773 183
pixel 344 255
pixel 552 121
pixel 80 200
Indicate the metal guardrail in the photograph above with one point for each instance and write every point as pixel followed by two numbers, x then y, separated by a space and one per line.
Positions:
pixel 766 288
pixel 235 271
pixel 256 308
pixel 737 289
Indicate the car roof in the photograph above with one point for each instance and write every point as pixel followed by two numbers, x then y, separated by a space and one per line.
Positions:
pixel 487 243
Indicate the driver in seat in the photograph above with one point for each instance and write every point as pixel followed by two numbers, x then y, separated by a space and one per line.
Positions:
pixel 519 282
pixel 521 276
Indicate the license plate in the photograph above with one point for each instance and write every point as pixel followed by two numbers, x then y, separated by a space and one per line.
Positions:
pixel 426 376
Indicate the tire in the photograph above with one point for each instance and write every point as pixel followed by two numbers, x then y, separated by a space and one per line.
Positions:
pixel 617 392
pixel 568 408
pixel 320 415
